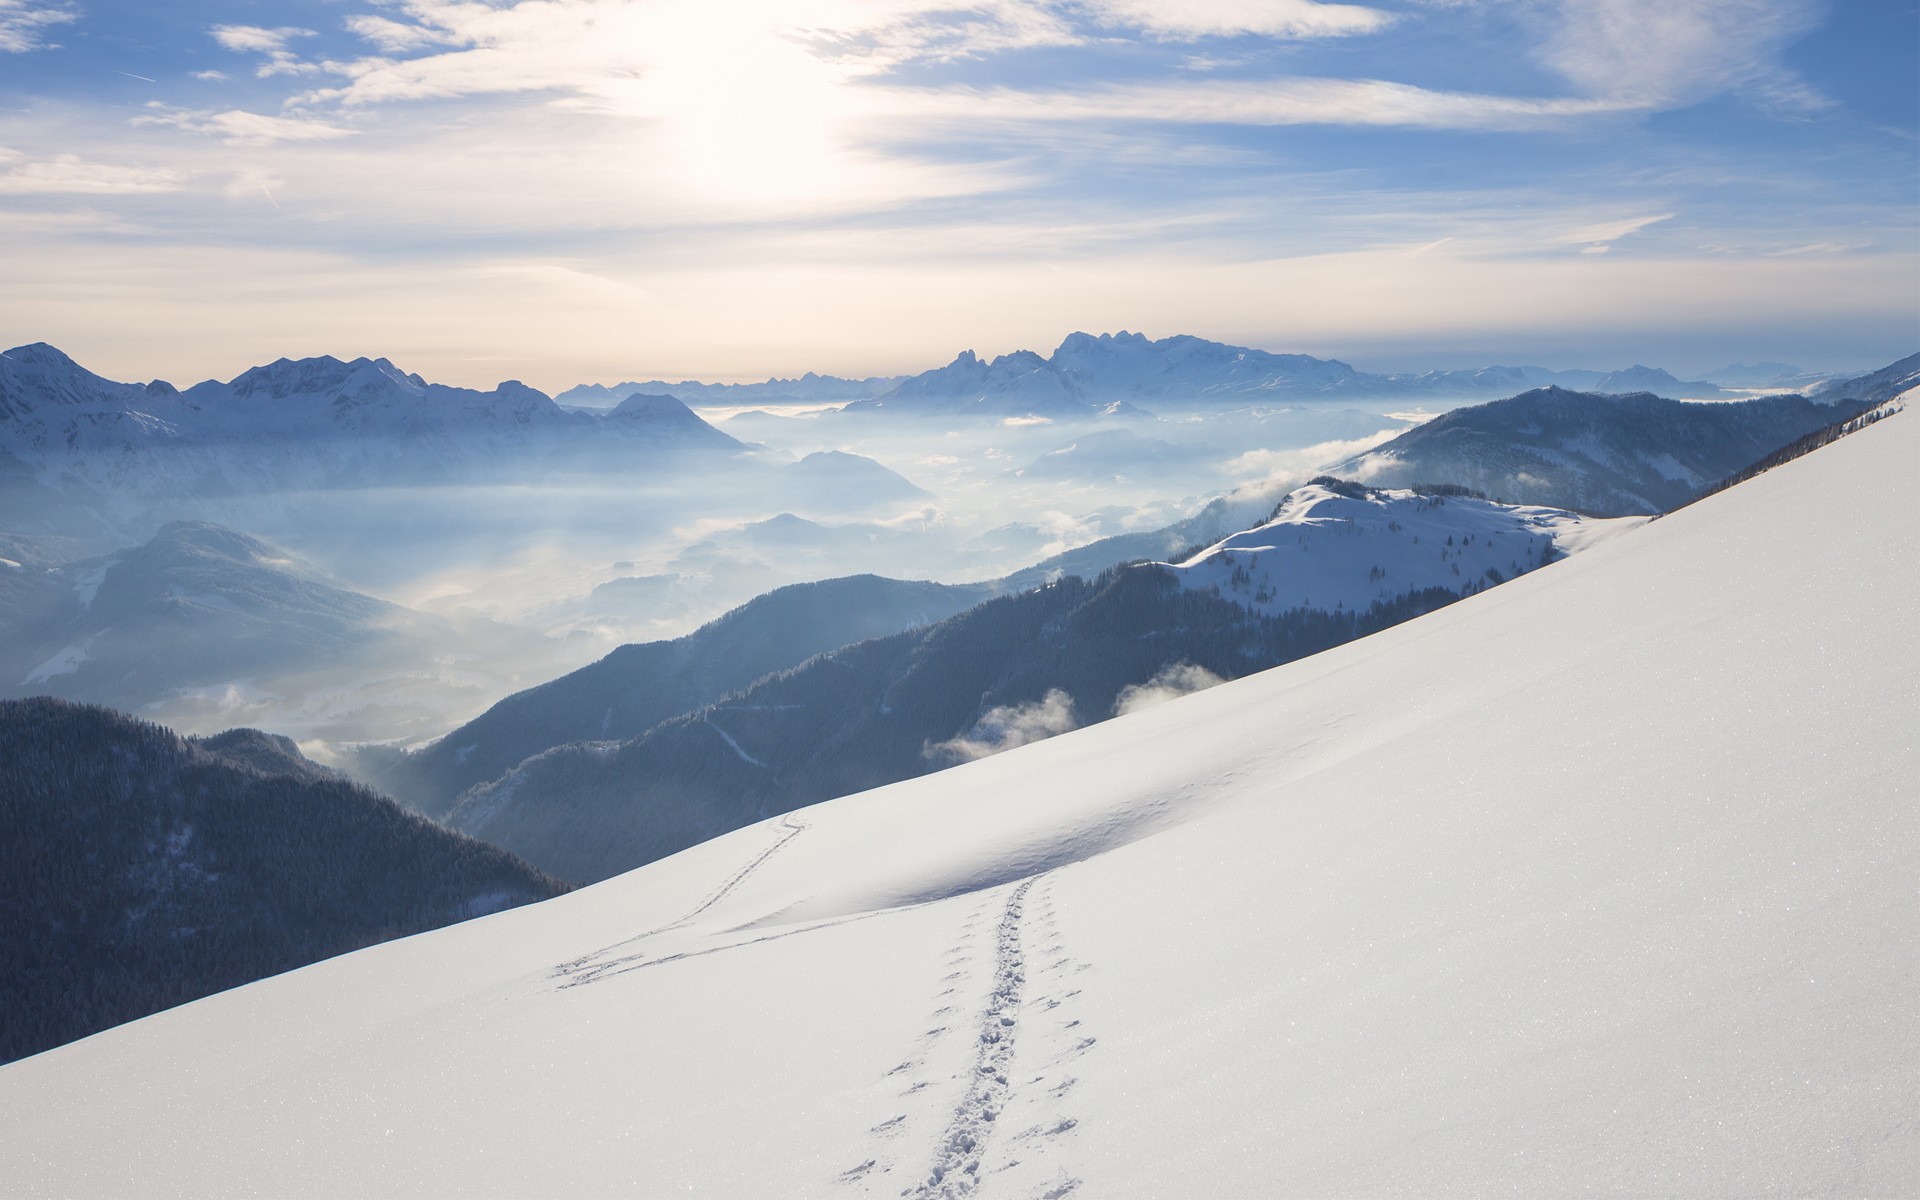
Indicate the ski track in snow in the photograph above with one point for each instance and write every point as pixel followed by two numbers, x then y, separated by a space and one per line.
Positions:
pixel 591 967
pixel 977 1148
pixel 956 1167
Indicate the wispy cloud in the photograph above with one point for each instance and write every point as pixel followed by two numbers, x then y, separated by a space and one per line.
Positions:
pixel 67 174
pixel 1599 238
pixel 398 37
pixel 275 44
pixel 1661 54
pixel 23 24
pixel 241 128
pixel 1284 101
pixel 1189 19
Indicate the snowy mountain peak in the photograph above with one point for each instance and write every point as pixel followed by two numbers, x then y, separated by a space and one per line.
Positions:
pixel 37 374
pixel 39 354
pixel 1337 546
pixel 324 375
pixel 1080 342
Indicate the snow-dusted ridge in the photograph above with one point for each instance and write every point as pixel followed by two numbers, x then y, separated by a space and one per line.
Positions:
pixel 1339 546
pixel 1599 882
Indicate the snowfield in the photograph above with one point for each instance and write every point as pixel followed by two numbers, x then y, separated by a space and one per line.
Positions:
pixel 1597 883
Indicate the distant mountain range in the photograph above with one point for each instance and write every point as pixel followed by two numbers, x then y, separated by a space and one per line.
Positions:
pixel 141 870
pixel 1127 373
pixel 807 389
pixel 1117 374
pixel 78 451
pixel 1653 380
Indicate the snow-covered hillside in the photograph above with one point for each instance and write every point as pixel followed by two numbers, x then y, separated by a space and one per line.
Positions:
pixel 1600 882
pixel 1340 546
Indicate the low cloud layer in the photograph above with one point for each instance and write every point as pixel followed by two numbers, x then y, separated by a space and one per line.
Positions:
pixel 1009 725
pixel 1173 682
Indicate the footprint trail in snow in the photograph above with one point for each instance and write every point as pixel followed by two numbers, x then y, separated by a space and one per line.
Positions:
pixel 591 967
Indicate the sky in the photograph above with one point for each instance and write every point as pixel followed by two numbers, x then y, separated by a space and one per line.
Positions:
pixel 564 191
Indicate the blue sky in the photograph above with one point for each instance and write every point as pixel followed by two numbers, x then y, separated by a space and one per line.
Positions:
pixel 564 190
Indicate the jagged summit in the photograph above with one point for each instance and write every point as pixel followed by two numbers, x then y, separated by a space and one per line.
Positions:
pixel 307 376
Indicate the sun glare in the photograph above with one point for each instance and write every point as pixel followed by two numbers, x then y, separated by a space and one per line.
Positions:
pixel 743 114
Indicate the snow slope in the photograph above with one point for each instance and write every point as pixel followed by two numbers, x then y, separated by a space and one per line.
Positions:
pixel 1600 882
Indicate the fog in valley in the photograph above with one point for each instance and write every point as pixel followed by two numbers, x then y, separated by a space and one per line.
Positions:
pixel 351 555
pixel 346 553
pixel 542 575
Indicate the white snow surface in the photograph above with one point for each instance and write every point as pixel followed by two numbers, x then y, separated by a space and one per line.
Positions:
pixel 1597 883
pixel 1329 551
pixel 65 662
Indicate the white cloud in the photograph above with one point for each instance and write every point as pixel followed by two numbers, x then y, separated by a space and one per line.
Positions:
pixel 1008 726
pixel 1285 101
pixel 276 44
pixel 67 174
pixel 1171 683
pixel 254 38
pixel 1186 19
pixel 241 128
pixel 781 73
pixel 1288 469
pixel 1662 54
pixel 394 37
pixel 22 24
pixel 1818 248
pixel 212 76
pixel 1599 238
